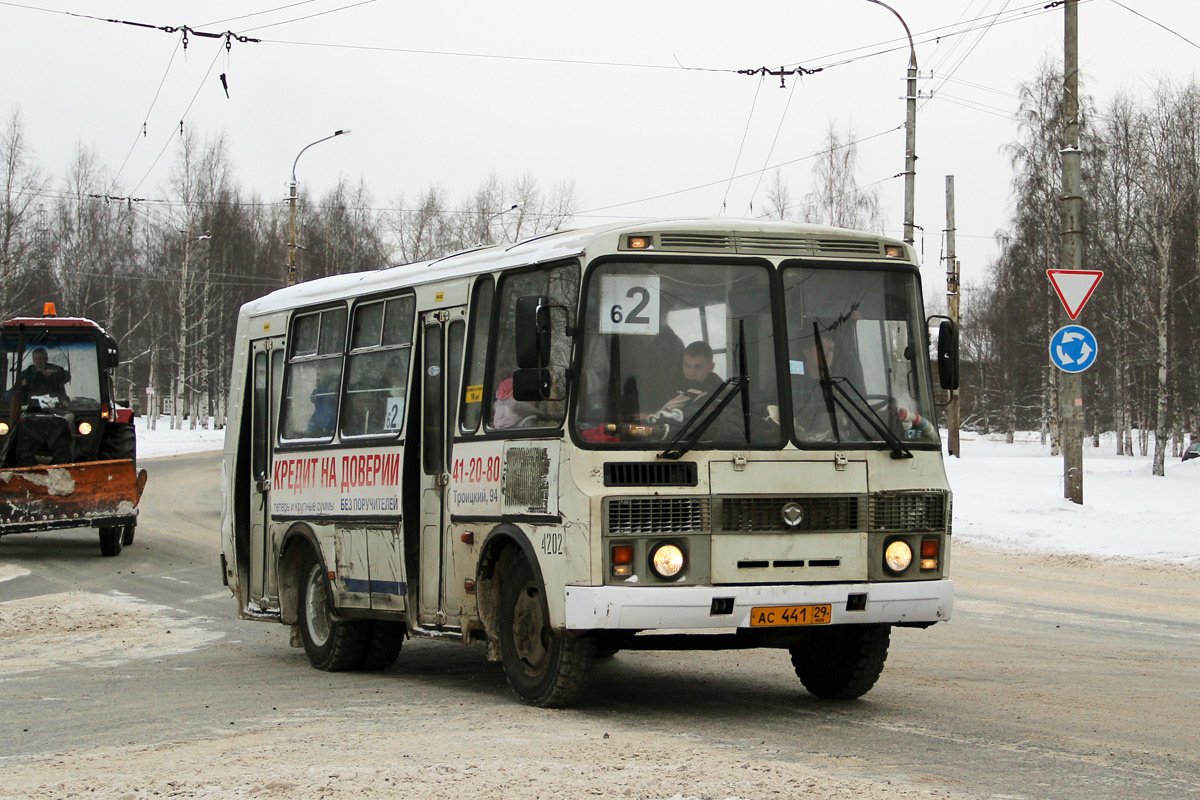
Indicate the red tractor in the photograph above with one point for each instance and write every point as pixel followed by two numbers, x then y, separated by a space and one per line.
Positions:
pixel 67 453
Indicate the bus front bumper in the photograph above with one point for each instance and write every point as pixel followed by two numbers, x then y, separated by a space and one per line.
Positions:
pixel 693 607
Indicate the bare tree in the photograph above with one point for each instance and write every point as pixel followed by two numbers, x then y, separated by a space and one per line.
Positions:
pixel 836 198
pixel 23 184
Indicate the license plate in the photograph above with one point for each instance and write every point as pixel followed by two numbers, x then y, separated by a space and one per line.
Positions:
pixel 777 616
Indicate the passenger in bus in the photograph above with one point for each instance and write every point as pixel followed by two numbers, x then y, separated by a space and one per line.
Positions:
pixel 698 381
pixel 625 376
pixel 508 412
pixel 44 378
pixel 324 399
pixel 811 412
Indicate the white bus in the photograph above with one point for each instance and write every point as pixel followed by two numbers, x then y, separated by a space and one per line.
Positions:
pixel 679 434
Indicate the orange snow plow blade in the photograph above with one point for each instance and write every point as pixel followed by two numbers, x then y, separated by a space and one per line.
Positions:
pixel 91 494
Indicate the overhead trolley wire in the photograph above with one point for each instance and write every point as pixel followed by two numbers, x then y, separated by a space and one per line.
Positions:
pixel 1169 30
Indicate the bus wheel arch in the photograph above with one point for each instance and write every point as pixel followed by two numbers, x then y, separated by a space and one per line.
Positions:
pixel 504 544
pixel 298 542
pixel 544 667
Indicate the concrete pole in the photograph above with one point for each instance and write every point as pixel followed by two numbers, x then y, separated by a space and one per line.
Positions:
pixel 910 144
pixel 1071 257
pixel 953 412
pixel 291 275
pixel 291 268
pixel 910 130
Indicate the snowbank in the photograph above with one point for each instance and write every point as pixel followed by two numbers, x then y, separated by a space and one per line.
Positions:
pixel 1010 496
pixel 165 442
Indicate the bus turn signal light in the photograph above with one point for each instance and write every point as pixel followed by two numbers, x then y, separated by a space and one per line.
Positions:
pixel 638 242
pixel 930 549
pixel 622 560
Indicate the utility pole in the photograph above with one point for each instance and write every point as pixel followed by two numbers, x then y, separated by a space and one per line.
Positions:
pixel 910 130
pixel 953 418
pixel 291 267
pixel 1070 395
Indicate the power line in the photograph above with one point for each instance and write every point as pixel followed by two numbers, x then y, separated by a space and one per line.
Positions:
pixel 181 120
pixel 771 150
pixel 146 119
pixel 742 146
pixel 260 13
pixel 311 16
pixel 1169 30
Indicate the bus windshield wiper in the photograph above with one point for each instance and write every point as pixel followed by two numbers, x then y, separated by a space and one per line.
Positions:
pixel 852 402
pixel 695 427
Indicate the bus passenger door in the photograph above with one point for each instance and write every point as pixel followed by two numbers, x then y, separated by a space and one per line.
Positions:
pixel 443 334
pixel 267 370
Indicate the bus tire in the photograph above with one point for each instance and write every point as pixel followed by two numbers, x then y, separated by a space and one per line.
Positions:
pixel 843 662
pixel 110 542
pixel 331 645
pixel 384 640
pixel 544 668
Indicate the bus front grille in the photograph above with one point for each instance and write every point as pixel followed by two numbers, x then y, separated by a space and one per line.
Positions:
pixel 765 514
pixel 626 516
pixel 650 473
pixel 910 511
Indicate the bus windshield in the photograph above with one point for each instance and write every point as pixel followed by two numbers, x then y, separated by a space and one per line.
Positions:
pixel 666 343
pixel 59 371
pixel 867 325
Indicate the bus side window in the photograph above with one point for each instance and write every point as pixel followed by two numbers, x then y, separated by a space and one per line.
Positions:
pixel 314 375
pixel 561 285
pixel 477 347
pixel 377 368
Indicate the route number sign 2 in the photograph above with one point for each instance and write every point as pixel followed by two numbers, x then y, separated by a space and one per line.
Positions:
pixel 629 304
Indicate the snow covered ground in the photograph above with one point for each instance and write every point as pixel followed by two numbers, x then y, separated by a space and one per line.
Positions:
pixel 165 442
pixel 1008 496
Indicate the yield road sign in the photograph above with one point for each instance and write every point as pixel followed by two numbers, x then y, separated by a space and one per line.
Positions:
pixel 1074 287
pixel 1073 348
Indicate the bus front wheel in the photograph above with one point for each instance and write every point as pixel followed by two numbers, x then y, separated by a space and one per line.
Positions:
pixel 331 645
pixel 544 668
pixel 842 662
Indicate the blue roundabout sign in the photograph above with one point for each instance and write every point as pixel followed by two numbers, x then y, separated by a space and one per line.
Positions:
pixel 1073 348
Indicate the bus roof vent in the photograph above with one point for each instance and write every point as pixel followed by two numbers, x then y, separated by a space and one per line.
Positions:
pixel 765 243
pixel 641 473
pixel 848 247
pixel 703 242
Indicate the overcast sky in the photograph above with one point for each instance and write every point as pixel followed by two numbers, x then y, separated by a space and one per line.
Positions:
pixel 639 103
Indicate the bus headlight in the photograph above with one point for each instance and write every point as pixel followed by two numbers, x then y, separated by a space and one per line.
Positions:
pixel 897 556
pixel 666 560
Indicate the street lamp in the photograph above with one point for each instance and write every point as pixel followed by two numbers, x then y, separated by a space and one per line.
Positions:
pixel 910 129
pixel 291 272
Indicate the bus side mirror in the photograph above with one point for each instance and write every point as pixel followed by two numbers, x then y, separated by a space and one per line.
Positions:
pixel 531 385
pixel 533 332
pixel 947 355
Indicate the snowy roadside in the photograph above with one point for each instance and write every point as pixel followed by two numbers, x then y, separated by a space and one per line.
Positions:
pixel 162 441
pixel 1010 497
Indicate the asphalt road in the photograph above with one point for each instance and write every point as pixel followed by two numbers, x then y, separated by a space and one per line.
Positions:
pixel 1057 677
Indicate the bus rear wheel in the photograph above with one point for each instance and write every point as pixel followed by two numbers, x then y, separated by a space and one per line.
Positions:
pixel 544 668
pixel 843 662
pixel 331 645
pixel 383 643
